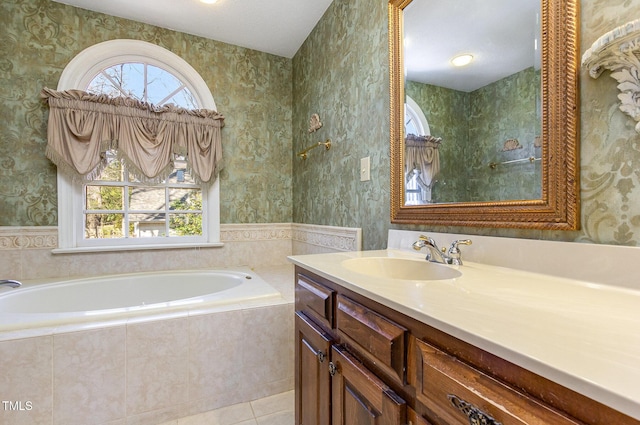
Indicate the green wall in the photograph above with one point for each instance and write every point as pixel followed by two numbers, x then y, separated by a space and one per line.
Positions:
pixel 252 89
pixel 341 73
pixel 610 156
pixel 474 127
pixel 447 112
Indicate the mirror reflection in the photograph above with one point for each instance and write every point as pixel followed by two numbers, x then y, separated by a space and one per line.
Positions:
pixel 472 133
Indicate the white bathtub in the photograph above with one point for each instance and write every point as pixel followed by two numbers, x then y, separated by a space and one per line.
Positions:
pixel 143 348
pixel 117 297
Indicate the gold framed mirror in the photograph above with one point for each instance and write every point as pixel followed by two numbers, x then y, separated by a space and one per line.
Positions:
pixel 556 206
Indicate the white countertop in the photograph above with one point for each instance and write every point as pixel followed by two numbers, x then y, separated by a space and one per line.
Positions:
pixel 582 335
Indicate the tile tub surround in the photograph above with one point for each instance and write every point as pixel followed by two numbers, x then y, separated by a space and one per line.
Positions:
pixel 123 384
pixel 26 251
pixel 150 372
pixel 595 263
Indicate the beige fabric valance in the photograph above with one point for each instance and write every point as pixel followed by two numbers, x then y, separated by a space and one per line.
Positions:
pixel 82 126
pixel 421 153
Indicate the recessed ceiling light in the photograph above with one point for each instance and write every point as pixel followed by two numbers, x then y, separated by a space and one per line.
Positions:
pixel 462 60
pixel 208 1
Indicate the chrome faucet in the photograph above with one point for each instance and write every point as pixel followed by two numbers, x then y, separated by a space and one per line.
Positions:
pixel 435 255
pixel 10 282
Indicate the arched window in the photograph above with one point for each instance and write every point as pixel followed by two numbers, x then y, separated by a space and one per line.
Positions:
pixel 142 81
pixel 415 122
pixel 117 209
pixel 417 192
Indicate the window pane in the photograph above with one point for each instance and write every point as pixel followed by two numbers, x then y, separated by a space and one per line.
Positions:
pixel 113 171
pixel 146 198
pixel 160 84
pixel 131 79
pixel 185 99
pixel 133 178
pixel 189 224
pixel 185 199
pixel 104 198
pixel 147 225
pixel 103 85
pixel 125 79
pixel 180 173
pixel 104 226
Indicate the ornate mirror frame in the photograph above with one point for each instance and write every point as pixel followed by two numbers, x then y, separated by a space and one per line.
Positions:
pixel 559 207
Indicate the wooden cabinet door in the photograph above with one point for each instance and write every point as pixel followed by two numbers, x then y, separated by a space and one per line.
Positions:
pixel 359 397
pixel 313 381
pixel 414 419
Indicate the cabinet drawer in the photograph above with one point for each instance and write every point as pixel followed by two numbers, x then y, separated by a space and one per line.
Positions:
pixel 456 393
pixel 378 338
pixel 315 300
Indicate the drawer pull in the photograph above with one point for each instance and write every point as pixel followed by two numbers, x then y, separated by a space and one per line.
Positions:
pixel 475 415
pixel 321 356
pixel 333 369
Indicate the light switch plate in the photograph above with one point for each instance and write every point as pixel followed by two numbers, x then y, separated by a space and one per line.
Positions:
pixel 365 169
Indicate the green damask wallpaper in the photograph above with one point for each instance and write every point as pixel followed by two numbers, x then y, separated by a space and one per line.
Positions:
pixel 474 127
pixel 341 73
pixel 252 89
pixel 327 190
pixel 447 112
pixel 505 110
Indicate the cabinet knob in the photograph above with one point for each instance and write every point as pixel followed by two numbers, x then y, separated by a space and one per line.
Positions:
pixel 332 369
pixel 321 356
pixel 475 415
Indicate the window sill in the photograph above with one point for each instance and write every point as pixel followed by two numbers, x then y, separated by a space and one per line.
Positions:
pixel 81 249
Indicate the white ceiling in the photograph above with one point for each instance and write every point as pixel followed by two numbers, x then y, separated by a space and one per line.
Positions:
pixel 273 26
pixel 500 34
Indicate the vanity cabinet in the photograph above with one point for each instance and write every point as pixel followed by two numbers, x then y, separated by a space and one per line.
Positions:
pixel 333 386
pixel 361 362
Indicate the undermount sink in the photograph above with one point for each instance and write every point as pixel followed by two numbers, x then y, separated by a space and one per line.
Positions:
pixel 400 268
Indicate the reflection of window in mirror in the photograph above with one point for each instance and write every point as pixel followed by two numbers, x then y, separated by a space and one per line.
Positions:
pixel 415 122
pixel 417 192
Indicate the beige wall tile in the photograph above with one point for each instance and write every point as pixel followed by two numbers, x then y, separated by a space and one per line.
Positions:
pixel 88 376
pixel 268 354
pixel 157 367
pixel 35 262
pixel 11 264
pixel 26 377
pixel 216 377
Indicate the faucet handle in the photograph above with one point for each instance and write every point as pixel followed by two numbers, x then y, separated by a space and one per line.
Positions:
pixel 454 251
pixel 422 242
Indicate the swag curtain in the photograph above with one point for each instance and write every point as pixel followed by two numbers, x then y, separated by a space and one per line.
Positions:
pixel 83 126
pixel 421 153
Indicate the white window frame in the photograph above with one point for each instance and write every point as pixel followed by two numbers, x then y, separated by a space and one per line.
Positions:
pixel 77 75
pixel 415 112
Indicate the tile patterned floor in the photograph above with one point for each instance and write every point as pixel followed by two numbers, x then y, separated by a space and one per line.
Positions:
pixel 273 410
